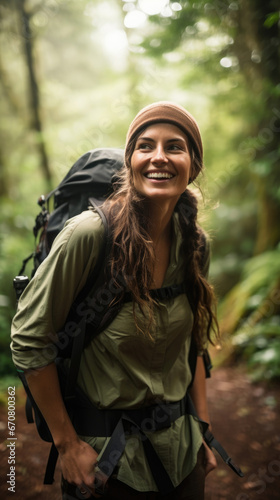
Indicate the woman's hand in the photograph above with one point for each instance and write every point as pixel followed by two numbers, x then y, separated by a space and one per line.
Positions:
pixel 78 460
pixel 210 459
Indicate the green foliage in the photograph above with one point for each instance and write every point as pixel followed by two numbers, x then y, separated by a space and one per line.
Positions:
pixel 261 349
pixel 16 243
pixel 10 380
pixel 6 365
pixel 271 19
pixel 250 316
pixel 260 275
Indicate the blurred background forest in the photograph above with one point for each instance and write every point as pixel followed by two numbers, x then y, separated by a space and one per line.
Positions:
pixel 73 75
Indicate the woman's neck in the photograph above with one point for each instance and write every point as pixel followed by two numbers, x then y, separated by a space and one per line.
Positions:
pixel 160 227
pixel 160 221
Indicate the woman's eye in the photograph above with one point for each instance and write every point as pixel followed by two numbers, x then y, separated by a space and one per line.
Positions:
pixel 144 146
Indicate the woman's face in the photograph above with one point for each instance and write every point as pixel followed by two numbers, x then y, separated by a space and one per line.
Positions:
pixel 161 162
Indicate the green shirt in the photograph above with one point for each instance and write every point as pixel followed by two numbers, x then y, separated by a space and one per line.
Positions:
pixel 120 368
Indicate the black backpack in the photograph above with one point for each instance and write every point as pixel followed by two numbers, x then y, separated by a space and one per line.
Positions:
pixel 90 180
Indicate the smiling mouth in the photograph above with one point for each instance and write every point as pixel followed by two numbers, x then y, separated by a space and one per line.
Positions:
pixel 159 175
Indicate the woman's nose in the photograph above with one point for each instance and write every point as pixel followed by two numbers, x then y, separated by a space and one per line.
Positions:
pixel 159 156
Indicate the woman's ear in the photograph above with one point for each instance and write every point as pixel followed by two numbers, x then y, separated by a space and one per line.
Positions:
pixel 196 168
pixel 192 173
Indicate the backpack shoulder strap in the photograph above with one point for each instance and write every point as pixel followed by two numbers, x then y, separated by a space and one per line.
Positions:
pixel 80 331
pixel 193 354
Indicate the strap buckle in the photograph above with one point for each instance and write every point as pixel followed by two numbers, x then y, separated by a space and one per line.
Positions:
pixel 212 442
pixel 234 467
pixel 167 292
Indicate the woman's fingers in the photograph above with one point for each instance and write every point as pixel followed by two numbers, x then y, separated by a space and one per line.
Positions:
pixel 210 460
pixel 78 463
pixel 100 486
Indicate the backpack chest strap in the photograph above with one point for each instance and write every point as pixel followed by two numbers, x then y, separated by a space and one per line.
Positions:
pixel 167 292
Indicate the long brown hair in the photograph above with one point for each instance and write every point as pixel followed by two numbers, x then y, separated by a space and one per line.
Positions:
pixel 132 257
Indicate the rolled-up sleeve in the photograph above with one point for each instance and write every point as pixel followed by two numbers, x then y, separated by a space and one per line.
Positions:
pixel 45 303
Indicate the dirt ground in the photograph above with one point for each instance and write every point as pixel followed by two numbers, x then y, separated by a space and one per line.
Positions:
pixel 245 419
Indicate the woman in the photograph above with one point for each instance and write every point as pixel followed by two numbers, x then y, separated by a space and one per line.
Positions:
pixel 141 359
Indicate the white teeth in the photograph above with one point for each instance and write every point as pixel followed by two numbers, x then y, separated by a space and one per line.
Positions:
pixel 159 175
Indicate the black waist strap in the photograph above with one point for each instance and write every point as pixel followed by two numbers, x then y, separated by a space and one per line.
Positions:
pixel 119 423
pixel 90 421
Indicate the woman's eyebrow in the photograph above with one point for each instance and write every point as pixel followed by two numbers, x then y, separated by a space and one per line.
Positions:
pixel 145 139
pixel 177 139
pixel 174 139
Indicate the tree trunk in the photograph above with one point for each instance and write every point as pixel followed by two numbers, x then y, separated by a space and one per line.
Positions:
pixel 11 96
pixel 268 235
pixel 257 49
pixel 34 92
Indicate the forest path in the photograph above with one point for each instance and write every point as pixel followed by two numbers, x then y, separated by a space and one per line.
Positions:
pixel 245 419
